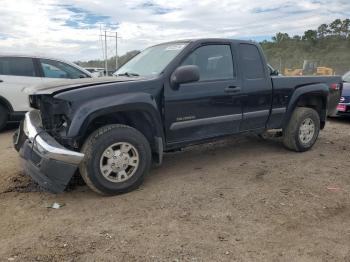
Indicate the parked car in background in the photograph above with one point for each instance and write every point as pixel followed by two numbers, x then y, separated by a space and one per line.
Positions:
pixel 110 72
pixel 20 71
pixel 343 107
pixel 96 71
pixel 100 72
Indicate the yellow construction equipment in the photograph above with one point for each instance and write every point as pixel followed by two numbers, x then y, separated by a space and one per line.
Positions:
pixel 293 72
pixel 324 71
pixel 309 68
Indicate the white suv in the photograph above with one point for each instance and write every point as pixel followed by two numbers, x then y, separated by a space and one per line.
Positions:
pixel 20 71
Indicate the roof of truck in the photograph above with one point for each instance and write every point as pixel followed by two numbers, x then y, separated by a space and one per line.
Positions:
pixel 206 40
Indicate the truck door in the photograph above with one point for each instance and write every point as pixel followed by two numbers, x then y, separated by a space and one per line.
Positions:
pixel 209 107
pixel 256 87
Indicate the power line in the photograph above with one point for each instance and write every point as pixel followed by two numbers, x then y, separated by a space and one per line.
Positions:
pixel 105 36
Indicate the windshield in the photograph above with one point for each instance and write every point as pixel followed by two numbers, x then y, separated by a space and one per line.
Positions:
pixel 151 61
pixel 346 77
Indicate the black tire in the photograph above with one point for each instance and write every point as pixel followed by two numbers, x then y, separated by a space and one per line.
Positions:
pixel 291 137
pixel 3 117
pixel 96 145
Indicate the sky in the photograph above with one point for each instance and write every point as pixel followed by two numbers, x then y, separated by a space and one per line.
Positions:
pixel 71 29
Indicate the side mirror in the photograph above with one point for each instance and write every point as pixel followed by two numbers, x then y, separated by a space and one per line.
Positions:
pixel 184 74
pixel 275 73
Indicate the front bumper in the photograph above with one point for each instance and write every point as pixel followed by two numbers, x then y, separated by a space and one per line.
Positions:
pixel 48 163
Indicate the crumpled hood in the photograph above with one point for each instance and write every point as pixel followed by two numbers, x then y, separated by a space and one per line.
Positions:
pixel 69 84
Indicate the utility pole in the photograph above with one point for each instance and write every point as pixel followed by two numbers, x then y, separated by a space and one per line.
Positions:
pixel 105 48
pixel 106 62
pixel 116 51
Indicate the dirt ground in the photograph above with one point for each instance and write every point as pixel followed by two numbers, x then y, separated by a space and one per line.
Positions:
pixel 240 199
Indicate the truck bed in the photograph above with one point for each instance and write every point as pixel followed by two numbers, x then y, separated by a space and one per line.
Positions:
pixel 293 82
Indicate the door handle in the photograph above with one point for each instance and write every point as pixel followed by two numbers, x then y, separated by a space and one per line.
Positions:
pixel 1 80
pixel 232 89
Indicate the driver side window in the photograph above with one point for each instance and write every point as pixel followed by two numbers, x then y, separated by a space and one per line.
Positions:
pixel 214 62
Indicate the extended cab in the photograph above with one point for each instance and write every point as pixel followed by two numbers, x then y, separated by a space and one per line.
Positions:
pixel 169 96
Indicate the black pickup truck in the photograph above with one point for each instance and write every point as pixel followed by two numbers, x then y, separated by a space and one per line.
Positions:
pixel 167 97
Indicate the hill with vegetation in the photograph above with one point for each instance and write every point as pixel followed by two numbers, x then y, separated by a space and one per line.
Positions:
pixel 329 45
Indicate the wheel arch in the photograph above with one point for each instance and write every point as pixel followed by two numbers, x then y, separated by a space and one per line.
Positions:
pixel 6 103
pixel 138 111
pixel 313 96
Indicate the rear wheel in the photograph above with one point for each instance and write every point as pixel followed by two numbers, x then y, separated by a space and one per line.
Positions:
pixel 302 130
pixel 3 117
pixel 117 157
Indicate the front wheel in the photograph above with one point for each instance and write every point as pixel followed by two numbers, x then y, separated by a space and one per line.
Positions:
pixel 117 157
pixel 302 130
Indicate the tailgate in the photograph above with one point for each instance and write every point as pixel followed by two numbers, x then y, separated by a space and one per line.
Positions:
pixel 335 90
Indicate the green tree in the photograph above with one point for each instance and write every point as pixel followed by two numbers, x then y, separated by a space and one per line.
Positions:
pixel 310 35
pixel 280 37
pixel 329 46
pixel 345 28
pixel 322 31
pixel 336 27
pixel 296 37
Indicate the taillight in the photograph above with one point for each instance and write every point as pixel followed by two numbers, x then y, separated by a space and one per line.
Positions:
pixel 335 86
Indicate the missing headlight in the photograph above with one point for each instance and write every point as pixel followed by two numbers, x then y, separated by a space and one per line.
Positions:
pixel 34 101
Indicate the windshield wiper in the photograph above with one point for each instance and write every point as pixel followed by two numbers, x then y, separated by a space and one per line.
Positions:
pixel 128 74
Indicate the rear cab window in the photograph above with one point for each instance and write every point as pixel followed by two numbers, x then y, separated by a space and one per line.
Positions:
pixel 251 62
pixel 17 66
